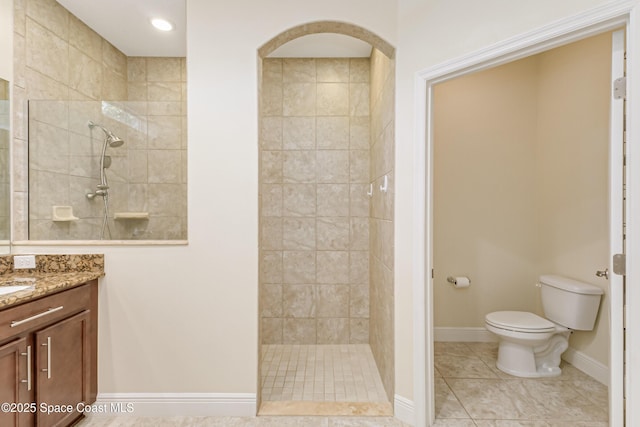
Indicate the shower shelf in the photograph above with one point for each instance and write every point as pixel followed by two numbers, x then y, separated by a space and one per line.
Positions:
pixel 63 214
pixel 131 215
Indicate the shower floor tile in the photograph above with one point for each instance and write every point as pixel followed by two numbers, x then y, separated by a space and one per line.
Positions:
pixel 320 373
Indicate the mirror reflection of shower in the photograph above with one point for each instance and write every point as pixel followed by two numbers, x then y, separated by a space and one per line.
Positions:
pixel 102 189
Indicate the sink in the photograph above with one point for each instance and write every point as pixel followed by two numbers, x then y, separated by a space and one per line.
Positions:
pixel 13 288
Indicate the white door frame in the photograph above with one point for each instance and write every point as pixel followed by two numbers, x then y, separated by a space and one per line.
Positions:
pixel 604 18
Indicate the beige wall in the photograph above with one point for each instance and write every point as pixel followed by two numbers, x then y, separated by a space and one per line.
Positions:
pixel 484 188
pixel 381 213
pixel 314 208
pixel 572 168
pixel 521 184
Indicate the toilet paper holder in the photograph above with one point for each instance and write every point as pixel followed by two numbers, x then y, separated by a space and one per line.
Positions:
pixel 454 280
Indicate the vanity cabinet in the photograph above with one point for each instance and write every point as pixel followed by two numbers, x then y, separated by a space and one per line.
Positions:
pixel 48 358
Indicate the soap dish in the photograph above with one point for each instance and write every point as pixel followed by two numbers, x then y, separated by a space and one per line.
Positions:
pixel 63 213
pixel 131 215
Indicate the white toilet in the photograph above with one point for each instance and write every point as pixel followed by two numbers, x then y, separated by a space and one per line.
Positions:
pixel 530 346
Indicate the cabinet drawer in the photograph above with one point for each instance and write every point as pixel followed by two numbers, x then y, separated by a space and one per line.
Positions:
pixel 43 311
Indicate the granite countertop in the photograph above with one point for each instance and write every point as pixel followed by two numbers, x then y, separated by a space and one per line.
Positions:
pixel 53 273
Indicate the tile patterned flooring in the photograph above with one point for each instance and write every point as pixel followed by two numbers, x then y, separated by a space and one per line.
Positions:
pixel 471 391
pixel 321 373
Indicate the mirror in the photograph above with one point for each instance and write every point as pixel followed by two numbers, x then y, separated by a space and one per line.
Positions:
pixel 106 134
pixel 5 137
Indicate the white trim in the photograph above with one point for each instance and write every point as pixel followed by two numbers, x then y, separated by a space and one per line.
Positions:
pixel 178 404
pixel 588 365
pixel 607 17
pixel 404 410
pixel 446 334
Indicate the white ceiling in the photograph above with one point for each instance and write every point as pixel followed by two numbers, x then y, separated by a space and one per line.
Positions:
pixel 126 25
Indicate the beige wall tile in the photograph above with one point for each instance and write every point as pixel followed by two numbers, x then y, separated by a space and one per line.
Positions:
pixel 271 200
pixel 49 14
pixel 164 132
pixel 299 200
pixel 359 166
pixel 271 331
pixel 19 16
pixel 271 300
pixel 359 267
pixel 332 166
pixel 332 233
pixel 333 199
pixel 299 301
pixel 359 200
pixel 271 233
pixel 162 199
pixel 359 134
pixel 333 132
pixel 359 301
pixel 85 39
pixel 164 91
pixel 136 69
pixel 137 91
pixel 358 331
pixel 271 100
pixel 359 234
pixel 164 166
pixel 298 233
pixel 299 267
pixel 333 331
pixel 333 301
pixel 299 166
pixel 299 331
pixel 332 70
pixel 114 85
pixel 164 108
pixel 298 133
pixel 271 166
pixel 298 70
pixel 271 267
pixel 358 99
pixel 44 50
pixel 333 99
pixel 332 267
pixel 271 133
pixel 298 99
pixel 114 60
pixel 85 74
pixel 164 70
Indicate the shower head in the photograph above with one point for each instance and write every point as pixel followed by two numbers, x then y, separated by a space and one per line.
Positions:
pixel 111 139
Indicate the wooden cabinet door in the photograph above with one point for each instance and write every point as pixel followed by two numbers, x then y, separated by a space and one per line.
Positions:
pixel 16 383
pixel 62 367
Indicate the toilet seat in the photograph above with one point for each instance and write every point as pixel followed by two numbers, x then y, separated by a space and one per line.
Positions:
pixel 520 321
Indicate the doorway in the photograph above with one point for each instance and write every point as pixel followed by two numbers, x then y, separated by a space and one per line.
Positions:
pixel 521 189
pixel 326 232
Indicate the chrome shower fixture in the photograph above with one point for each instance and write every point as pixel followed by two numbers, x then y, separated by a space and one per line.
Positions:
pixel 111 139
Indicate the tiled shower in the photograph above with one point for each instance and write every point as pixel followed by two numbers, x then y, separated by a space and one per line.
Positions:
pixel 326 226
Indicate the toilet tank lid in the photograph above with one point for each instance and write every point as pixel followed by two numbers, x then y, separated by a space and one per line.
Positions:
pixel 570 285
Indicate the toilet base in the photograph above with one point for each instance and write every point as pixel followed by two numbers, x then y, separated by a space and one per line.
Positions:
pixel 525 361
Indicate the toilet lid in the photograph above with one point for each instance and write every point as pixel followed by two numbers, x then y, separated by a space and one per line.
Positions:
pixel 519 321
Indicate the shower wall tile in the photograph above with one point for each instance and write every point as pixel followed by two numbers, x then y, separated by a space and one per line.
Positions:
pixel 137 69
pixel 271 200
pixel 114 60
pixel 164 91
pixel 299 200
pixel 298 99
pixel 299 331
pixel 164 166
pixel 332 166
pixel 43 51
pixel 84 38
pixel 333 99
pixel 271 136
pixel 317 188
pixel 298 233
pixel 85 74
pixel 334 70
pixel 298 133
pixel 299 166
pixel 298 70
pixel 333 199
pixel 299 267
pixel 113 84
pixel 333 132
pixel 332 233
pixel 49 14
pixel 164 70
pixel 271 303
pixel 359 99
pixel 299 301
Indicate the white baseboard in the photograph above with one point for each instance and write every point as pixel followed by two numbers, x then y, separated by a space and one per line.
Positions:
pixel 176 404
pixel 403 409
pixel 588 365
pixel 444 334
pixel 581 361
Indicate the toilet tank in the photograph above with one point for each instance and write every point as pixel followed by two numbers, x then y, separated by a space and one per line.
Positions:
pixel 569 302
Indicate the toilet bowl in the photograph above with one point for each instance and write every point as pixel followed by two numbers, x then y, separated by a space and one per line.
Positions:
pixel 531 346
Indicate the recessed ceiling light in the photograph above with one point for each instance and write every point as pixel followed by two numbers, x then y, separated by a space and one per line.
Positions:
pixel 162 24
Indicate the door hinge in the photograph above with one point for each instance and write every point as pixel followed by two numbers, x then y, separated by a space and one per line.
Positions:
pixel 620 88
pixel 432 275
pixel 619 264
